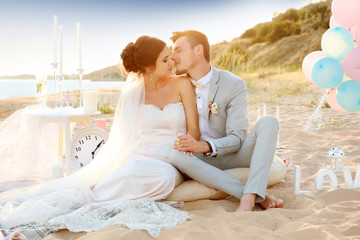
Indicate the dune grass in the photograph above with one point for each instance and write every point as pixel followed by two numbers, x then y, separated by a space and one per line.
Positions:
pixel 270 85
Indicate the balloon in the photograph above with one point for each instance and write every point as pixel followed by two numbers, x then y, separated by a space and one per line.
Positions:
pixel 357 36
pixel 327 72
pixel 346 12
pixel 352 64
pixel 353 31
pixel 337 42
pixel 309 61
pixel 331 100
pixel 348 95
pixel 334 23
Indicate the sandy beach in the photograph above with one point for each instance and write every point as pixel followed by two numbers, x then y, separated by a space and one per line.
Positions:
pixel 326 214
pixel 281 49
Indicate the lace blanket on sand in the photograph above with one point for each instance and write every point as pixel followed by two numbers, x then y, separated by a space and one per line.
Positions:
pixel 145 215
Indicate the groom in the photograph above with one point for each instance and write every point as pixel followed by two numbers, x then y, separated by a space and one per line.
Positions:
pixel 225 143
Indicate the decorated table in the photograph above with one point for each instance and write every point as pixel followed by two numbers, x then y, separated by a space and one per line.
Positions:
pixel 63 116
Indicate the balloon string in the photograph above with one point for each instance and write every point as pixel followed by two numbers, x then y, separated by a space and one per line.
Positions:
pixel 315 122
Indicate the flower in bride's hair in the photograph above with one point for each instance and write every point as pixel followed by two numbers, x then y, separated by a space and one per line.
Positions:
pixel 213 107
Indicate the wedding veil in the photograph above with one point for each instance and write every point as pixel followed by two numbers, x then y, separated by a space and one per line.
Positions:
pixel 122 140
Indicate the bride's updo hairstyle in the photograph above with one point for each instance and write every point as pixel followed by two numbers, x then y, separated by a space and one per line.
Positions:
pixel 141 54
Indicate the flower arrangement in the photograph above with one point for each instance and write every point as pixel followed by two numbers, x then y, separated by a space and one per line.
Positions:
pixel 213 107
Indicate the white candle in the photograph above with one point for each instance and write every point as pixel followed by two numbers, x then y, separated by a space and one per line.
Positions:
pixel 55 39
pixel 79 44
pixel 90 101
pixel 60 51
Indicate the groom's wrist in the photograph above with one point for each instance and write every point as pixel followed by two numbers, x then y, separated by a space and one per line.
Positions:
pixel 207 149
pixel 204 147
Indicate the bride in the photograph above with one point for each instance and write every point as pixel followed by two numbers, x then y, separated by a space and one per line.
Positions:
pixel 154 108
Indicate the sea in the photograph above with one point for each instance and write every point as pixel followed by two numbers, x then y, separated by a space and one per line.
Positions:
pixel 18 88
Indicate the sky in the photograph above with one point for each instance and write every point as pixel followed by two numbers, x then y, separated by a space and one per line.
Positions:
pixel 26 27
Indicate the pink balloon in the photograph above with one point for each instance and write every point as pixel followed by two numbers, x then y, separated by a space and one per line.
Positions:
pixel 353 30
pixel 346 12
pixel 309 61
pixel 331 100
pixel 357 36
pixel 352 64
pixel 334 23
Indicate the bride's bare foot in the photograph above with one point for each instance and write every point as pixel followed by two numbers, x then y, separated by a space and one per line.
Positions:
pixel 247 202
pixel 271 202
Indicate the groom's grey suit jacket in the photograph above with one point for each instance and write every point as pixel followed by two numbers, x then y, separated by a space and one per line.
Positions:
pixel 231 123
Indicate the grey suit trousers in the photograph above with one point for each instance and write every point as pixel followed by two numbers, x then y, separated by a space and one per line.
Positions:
pixel 257 152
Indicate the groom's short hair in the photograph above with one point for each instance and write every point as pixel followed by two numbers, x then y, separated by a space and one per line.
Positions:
pixel 195 38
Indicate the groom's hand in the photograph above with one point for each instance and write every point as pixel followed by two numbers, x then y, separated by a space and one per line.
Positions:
pixel 186 143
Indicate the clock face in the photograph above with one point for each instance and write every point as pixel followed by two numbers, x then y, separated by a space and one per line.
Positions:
pixel 86 145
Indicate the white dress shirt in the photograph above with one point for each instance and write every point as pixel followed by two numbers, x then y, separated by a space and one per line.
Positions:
pixel 202 87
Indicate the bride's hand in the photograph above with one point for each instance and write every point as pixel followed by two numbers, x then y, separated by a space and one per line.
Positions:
pixel 186 143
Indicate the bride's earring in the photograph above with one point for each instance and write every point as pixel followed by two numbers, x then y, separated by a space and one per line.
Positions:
pixel 150 77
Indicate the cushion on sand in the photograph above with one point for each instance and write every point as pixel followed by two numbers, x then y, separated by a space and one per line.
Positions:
pixel 192 190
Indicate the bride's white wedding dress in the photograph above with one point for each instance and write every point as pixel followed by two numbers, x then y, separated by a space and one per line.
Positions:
pixel 146 175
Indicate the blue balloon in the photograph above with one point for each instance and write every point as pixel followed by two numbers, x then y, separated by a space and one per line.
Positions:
pixel 337 42
pixel 348 95
pixel 327 72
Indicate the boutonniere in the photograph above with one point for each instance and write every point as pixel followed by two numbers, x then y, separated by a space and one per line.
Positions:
pixel 213 107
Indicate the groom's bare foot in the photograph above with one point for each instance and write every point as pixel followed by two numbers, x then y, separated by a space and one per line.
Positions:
pixel 247 202
pixel 271 202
